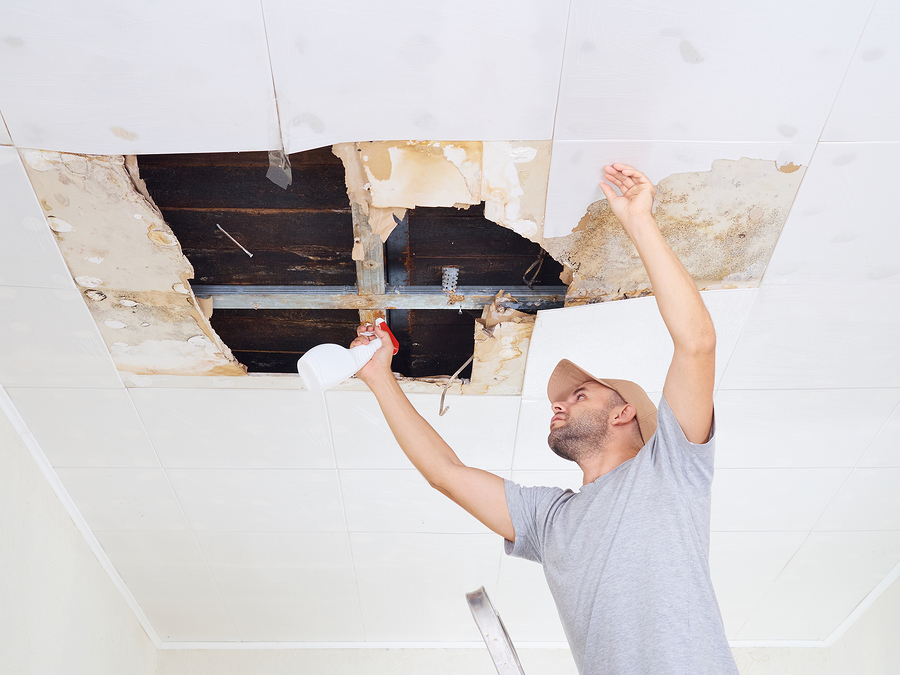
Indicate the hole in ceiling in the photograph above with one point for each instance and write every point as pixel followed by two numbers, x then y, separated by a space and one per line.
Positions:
pixel 303 236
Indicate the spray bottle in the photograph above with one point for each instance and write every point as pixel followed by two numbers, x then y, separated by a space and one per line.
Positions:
pixel 326 365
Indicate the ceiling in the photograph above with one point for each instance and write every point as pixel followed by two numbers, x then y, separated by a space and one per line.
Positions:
pixel 242 509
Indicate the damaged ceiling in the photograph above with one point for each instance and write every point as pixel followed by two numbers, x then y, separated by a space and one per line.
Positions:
pixel 232 507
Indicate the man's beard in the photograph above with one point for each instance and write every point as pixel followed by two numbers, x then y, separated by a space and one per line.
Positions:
pixel 581 436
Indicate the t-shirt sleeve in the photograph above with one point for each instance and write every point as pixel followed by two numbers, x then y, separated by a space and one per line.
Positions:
pixel 690 465
pixel 529 508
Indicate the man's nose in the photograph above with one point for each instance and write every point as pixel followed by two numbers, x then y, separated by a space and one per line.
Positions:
pixel 558 406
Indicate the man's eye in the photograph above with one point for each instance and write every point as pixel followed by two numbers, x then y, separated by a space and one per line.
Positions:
pixel 580 396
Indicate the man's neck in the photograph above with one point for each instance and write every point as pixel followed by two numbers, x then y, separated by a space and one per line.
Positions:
pixel 609 457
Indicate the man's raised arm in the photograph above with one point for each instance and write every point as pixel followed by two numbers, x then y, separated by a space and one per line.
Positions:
pixel 690 380
pixel 479 492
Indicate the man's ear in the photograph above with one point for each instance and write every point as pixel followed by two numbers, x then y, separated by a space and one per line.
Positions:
pixel 625 415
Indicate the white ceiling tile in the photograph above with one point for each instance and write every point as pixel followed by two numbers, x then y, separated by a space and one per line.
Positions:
pixel 424 70
pixel 48 339
pixel 869 500
pixel 412 586
pixel 166 573
pixel 572 479
pixel 278 557
pixel 772 499
pixel 799 428
pixel 807 337
pixel 744 565
pixel 260 500
pixel 885 449
pixel 576 168
pixel 30 255
pixel 85 427
pixel 842 229
pixel 400 500
pixel 4 134
pixel 625 339
pixel 294 612
pixel 520 572
pixel 236 428
pixel 639 71
pixel 98 77
pixel 865 108
pixel 826 579
pixel 480 429
pixel 124 499
pixel 528 612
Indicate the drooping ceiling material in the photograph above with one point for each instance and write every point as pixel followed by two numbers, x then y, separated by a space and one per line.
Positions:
pixel 128 265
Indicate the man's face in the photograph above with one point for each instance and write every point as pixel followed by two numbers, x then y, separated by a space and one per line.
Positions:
pixel 579 425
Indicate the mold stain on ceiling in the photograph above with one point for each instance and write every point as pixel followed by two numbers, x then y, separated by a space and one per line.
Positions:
pixel 128 265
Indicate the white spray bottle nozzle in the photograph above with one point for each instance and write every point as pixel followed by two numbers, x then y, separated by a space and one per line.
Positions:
pixel 324 366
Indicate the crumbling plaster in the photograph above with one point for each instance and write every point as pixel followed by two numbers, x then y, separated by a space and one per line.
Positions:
pixel 128 265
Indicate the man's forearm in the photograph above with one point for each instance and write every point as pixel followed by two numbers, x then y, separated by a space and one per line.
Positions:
pixel 425 448
pixel 679 302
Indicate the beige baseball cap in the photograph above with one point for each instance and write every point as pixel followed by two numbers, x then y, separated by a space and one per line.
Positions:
pixel 567 377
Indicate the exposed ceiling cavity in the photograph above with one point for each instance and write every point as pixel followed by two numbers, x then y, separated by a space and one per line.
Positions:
pixel 368 229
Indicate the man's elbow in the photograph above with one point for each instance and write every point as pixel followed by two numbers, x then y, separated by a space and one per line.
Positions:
pixel 701 342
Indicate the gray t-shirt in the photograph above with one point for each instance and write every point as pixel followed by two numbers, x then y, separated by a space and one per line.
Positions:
pixel 627 560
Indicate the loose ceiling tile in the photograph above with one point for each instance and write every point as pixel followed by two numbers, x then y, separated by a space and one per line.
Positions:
pixel 799 428
pixel 48 339
pixel 720 206
pixel 482 72
pixel 866 105
pixel 401 500
pixel 826 579
pixel 260 500
pixel 105 78
pixel 480 429
pixel 85 427
pixel 236 428
pixel 869 500
pixel 743 566
pixel 843 226
pixel 626 339
pixel 704 70
pixel 818 337
pixel 294 612
pixel 166 573
pixel 426 577
pixel 532 452
pixel 885 449
pixel 124 499
pixel 128 264
pixel 29 256
pixel 4 134
pixel 777 500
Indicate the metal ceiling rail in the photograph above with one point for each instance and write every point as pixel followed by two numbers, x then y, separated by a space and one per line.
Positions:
pixel 395 297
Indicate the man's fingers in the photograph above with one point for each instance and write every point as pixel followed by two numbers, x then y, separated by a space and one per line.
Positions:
pixel 608 192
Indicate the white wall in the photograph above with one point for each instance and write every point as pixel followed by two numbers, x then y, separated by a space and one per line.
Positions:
pixel 59 610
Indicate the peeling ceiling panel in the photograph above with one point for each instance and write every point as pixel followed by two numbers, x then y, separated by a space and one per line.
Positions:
pixel 838 235
pixel 632 344
pixel 577 168
pixel 29 255
pixel 404 69
pixel 704 71
pixel 866 106
pixel 103 77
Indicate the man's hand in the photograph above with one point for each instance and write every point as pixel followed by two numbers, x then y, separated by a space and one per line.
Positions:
pixel 380 364
pixel 636 200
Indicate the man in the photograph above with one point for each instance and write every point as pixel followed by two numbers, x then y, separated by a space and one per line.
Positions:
pixel 626 557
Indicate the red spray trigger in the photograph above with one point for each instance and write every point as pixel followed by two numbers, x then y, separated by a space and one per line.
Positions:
pixel 383 325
